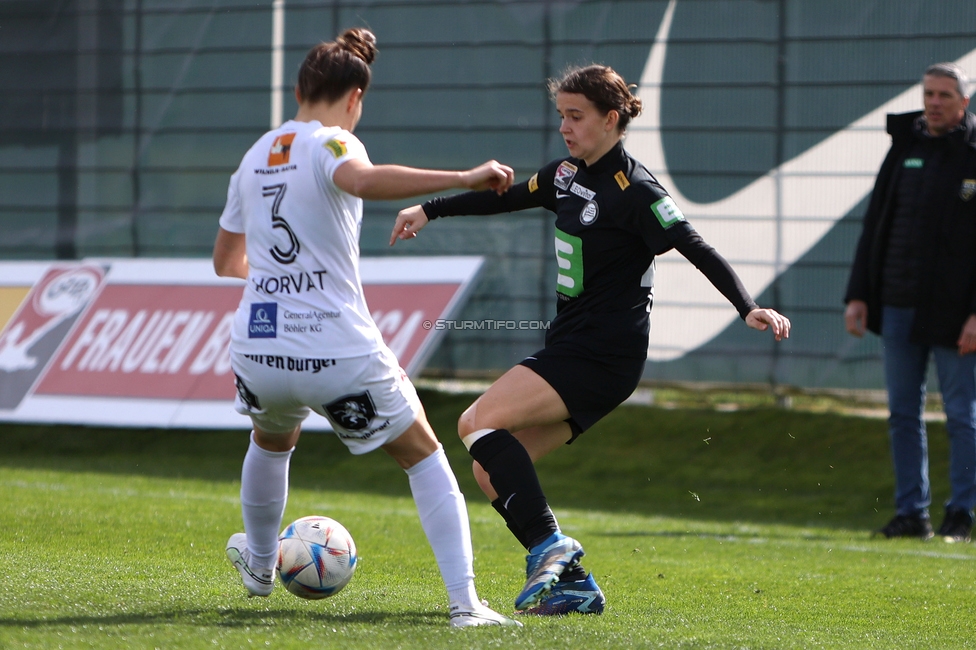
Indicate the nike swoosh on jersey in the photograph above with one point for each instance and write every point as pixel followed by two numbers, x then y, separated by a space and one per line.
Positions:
pixel 744 226
pixel 561 195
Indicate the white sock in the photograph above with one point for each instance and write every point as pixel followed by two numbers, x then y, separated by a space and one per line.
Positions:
pixel 264 492
pixel 444 518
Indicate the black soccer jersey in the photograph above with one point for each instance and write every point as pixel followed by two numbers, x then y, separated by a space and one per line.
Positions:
pixel 612 219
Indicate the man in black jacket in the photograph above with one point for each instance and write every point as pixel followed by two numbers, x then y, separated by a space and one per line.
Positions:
pixel 913 282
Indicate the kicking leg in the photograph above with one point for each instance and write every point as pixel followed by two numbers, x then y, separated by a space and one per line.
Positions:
pixel 521 401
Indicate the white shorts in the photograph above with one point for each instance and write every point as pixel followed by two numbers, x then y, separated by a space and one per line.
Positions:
pixel 368 400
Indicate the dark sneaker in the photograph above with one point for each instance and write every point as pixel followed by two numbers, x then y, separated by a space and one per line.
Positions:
pixel 907 526
pixel 956 526
pixel 544 564
pixel 568 596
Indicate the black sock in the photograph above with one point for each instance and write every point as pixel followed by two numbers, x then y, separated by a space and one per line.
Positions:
pixel 513 476
pixel 573 573
pixel 499 506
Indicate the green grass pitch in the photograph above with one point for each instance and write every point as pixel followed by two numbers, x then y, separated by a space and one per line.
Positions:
pixel 705 529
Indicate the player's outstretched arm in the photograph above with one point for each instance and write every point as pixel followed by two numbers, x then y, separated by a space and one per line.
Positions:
pixel 484 202
pixel 408 223
pixel 490 175
pixel 763 319
pixel 387 182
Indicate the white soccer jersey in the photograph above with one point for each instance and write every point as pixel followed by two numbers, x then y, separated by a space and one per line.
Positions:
pixel 304 296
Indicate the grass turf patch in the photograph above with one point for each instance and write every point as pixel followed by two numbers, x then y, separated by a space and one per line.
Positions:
pixel 715 530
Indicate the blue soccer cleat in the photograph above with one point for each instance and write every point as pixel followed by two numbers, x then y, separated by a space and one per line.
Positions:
pixel 544 564
pixel 566 597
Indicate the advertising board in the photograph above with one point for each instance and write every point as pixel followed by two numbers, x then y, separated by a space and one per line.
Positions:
pixel 144 342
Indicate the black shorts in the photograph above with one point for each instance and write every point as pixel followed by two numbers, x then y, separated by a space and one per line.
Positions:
pixel 589 386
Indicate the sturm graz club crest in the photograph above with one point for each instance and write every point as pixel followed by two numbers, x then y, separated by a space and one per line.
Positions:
pixel 590 212
pixel 352 412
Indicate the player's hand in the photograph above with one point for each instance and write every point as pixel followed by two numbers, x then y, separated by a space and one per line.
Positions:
pixel 762 319
pixel 408 223
pixel 856 317
pixel 491 175
pixel 967 339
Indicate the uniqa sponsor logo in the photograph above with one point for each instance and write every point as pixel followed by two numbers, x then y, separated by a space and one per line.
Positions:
pixel 264 320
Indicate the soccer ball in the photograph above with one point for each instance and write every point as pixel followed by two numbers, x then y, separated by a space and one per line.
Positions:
pixel 316 557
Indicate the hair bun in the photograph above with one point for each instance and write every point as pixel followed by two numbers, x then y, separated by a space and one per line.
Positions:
pixel 360 42
pixel 635 106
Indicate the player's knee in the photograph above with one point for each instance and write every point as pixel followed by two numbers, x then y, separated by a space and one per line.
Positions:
pixel 467 422
pixel 413 445
pixel 276 441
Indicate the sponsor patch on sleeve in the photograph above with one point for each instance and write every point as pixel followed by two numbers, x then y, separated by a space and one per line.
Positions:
pixel 337 147
pixel 534 182
pixel 667 212
pixel 621 179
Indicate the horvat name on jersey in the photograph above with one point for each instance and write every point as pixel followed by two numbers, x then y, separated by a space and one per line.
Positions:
pixel 291 283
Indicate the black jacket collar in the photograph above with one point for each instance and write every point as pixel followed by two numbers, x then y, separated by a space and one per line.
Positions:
pixel 902 125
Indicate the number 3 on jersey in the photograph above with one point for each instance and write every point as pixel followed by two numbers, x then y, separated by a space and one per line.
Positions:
pixel 569 258
pixel 277 221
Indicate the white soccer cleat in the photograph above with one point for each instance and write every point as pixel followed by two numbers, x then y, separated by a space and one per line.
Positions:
pixel 257 583
pixel 480 615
